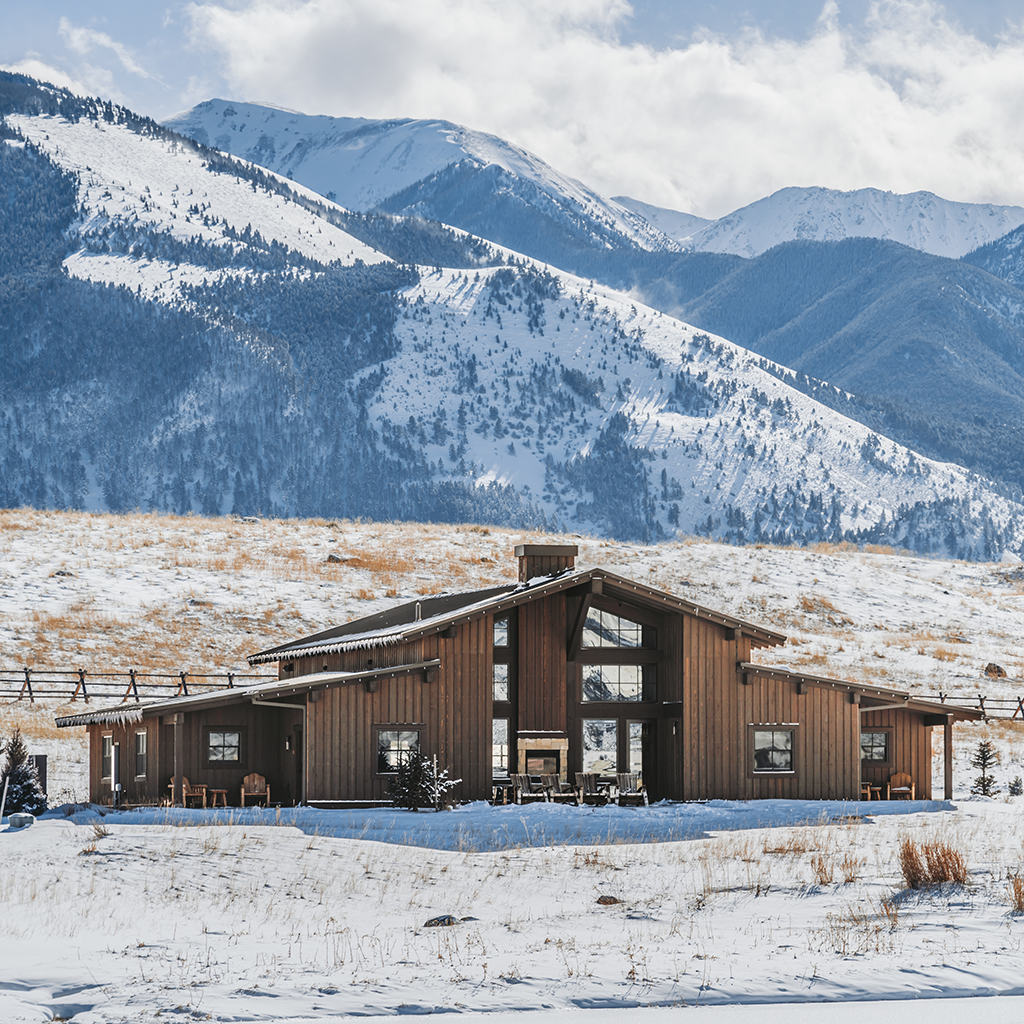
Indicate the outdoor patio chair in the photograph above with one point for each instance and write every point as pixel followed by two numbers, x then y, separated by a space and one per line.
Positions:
pixel 589 791
pixel 901 787
pixel 631 792
pixel 556 790
pixel 527 790
pixel 255 788
pixel 197 793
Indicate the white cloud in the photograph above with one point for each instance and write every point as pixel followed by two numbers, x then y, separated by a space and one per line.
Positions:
pixel 36 68
pixel 84 40
pixel 907 101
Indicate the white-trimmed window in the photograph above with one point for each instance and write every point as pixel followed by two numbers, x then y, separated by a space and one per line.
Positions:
pixel 141 753
pixel 774 749
pixel 107 756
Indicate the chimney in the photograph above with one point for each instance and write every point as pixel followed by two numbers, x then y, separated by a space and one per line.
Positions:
pixel 544 559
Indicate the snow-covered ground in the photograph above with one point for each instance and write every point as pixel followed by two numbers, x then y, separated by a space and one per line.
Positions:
pixel 303 914
pixel 309 914
pixel 165 593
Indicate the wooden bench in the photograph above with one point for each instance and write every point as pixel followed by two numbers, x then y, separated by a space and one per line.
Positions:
pixel 255 788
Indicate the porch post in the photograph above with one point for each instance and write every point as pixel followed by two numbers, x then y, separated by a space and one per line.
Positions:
pixel 176 797
pixel 947 756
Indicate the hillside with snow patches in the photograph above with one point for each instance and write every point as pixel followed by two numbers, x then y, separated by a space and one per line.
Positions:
pixel 919 219
pixel 343 384
pixel 365 164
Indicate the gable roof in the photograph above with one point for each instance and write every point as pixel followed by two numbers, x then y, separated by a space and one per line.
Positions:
pixel 415 619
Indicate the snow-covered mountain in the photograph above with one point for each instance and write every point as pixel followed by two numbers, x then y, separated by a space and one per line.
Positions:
pixel 920 219
pixel 408 166
pixel 215 338
pixel 677 225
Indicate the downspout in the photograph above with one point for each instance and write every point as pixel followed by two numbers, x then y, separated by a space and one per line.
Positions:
pixel 305 736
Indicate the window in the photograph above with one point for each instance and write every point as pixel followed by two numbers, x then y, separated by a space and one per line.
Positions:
pixel 395 747
pixel 619 682
pixel 874 746
pixel 501 632
pixel 501 682
pixel 107 757
pixel 224 747
pixel 499 746
pixel 603 629
pixel 773 749
pixel 600 745
pixel 141 740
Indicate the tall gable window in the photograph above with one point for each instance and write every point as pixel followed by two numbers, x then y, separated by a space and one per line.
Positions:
pixel 605 629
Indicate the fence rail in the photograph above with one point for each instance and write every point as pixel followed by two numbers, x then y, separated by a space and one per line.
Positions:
pixel 991 707
pixel 71 685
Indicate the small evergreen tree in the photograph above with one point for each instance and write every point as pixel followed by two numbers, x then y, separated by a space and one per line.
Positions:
pixel 984 759
pixel 24 793
pixel 1016 787
pixel 415 786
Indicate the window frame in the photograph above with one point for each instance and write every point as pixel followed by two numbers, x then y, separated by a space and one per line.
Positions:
pixel 417 727
pixel 496 771
pixel 107 756
pixel 617 722
pixel 647 681
pixel 887 731
pixel 218 765
pixel 144 733
pixel 759 773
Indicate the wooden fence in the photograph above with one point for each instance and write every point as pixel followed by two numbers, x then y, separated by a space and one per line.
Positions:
pixel 71 685
pixel 990 707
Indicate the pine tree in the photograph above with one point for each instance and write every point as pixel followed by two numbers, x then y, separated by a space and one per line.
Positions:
pixel 23 791
pixel 984 759
pixel 415 786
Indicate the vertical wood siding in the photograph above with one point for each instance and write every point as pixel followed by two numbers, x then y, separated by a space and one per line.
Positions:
pixel 910 749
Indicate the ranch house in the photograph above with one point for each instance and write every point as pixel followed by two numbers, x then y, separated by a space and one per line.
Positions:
pixel 564 670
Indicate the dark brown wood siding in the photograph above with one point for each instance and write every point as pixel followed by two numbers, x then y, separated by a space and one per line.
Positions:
pixel 720 710
pixel 542 665
pixel 910 749
pixel 453 714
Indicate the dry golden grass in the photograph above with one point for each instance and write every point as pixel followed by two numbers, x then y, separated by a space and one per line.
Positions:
pixel 1015 890
pixel 931 862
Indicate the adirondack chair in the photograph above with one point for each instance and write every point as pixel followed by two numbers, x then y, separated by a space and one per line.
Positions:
pixel 254 789
pixel 556 790
pixel 526 790
pixel 631 793
pixel 588 791
pixel 197 793
pixel 901 787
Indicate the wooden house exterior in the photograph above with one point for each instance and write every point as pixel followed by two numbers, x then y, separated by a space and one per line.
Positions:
pixel 561 672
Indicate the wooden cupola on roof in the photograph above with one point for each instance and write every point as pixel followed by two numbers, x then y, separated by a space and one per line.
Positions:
pixel 545 559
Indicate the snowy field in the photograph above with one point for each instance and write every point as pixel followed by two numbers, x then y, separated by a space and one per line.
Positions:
pixel 166 594
pixel 140 916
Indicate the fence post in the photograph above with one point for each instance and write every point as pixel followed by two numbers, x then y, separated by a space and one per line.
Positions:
pixel 231 680
pixel 27 684
pixel 1019 708
pixel 132 688
pixel 981 703
pixel 183 687
pixel 80 686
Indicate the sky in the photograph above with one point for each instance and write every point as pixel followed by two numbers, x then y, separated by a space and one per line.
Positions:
pixel 698 106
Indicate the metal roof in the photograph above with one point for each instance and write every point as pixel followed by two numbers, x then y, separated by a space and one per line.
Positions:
pixel 416 619
pixel 123 715
pixel 885 696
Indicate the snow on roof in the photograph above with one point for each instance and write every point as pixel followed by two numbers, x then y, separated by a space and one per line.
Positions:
pixel 401 623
